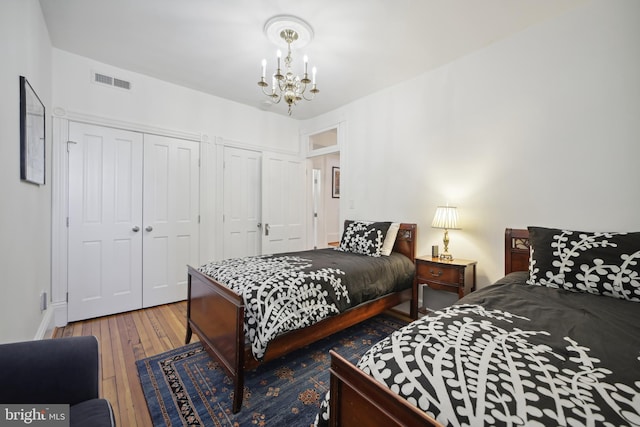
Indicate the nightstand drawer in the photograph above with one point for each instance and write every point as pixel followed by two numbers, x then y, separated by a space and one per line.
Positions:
pixel 456 275
pixel 438 273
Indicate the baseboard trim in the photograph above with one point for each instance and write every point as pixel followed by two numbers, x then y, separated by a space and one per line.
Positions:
pixel 46 326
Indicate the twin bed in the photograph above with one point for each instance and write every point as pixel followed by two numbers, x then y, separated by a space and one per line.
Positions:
pixel 251 310
pixel 554 342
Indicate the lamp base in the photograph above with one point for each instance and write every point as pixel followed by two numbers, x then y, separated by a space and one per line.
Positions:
pixel 446 257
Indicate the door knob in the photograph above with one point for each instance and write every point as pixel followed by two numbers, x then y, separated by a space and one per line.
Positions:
pixel 148 228
pixel 135 229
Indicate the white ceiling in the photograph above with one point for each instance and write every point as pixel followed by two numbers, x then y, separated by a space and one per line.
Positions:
pixel 215 46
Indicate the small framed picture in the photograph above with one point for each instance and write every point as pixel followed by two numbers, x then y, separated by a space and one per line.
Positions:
pixel 32 135
pixel 335 182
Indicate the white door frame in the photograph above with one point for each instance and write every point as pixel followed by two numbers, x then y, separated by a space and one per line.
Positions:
pixel 316 191
pixel 60 196
pixel 340 148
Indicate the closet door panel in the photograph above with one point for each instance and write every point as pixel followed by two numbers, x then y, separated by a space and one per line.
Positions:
pixel 283 204
pixel 105 209
pixel 171 211
pixel 241 202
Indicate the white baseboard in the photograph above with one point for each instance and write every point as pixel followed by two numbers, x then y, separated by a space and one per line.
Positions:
pixel 46 326
pixel 54 317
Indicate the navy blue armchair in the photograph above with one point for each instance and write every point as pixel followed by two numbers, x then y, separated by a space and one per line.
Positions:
pixel 56 371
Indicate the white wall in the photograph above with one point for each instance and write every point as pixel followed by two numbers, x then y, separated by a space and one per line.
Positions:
pixel 542 128
pixel 154 102
pixel 25 243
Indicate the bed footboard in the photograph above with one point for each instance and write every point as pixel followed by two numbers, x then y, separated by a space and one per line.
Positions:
pixel 216 314
pixel 359 400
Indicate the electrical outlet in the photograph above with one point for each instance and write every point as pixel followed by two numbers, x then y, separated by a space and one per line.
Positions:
pixel 43 301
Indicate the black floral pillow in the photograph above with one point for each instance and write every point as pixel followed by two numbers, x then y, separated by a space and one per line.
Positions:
pixel 598 263
pixel 363 237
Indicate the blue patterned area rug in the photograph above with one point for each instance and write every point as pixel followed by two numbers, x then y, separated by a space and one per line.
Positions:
pixel 186 387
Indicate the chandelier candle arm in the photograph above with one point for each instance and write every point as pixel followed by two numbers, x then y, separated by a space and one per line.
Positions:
pixel 278 75
pixel 305 79
pixel 263 83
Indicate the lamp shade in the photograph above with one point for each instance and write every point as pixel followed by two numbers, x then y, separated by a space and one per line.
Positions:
pixel 446 217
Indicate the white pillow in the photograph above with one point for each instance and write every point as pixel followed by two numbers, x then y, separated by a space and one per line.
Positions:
pixel 390 239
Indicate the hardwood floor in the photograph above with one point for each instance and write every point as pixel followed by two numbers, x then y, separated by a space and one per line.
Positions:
pixel 125 338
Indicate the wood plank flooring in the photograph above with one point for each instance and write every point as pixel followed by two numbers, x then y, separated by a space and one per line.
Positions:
pixel 125 338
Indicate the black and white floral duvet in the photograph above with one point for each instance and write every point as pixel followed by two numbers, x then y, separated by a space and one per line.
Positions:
pixel 515 354
pixel 285 292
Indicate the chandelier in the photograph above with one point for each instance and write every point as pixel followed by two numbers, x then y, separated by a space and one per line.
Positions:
pixel 284 83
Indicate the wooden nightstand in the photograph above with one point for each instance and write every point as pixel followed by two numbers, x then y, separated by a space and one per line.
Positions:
pixel 458 275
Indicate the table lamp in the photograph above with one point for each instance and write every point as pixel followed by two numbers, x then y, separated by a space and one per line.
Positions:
pixel 446 217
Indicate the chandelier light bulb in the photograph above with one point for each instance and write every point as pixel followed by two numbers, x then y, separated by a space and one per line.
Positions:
pixel 314 70
pixel 264 68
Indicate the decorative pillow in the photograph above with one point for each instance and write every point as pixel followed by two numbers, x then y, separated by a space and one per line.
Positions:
pixel 390 239
pixel 363 237
pixel 598 263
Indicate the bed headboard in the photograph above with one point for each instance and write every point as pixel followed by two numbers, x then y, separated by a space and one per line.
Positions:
pixel 406 241
pixel 516 250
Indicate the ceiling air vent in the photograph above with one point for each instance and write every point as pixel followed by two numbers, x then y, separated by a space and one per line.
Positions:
pixel 111 81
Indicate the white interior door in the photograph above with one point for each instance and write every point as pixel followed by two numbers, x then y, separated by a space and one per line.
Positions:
pixel 283 204
pixel 241 203
pixel 105 220
pixel 171 217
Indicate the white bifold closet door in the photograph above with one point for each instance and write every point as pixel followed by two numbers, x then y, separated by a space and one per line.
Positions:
pixel 283 204
pixel 170 217
pixel 263 204
pixel 105 219
pixel 241 203
pixel 133 219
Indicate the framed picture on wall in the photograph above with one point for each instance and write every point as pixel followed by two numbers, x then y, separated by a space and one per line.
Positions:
pixel 32 135
pixel 335 182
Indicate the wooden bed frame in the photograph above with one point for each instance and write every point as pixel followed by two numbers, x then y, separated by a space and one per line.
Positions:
pixel 216 314
pixel 357 399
